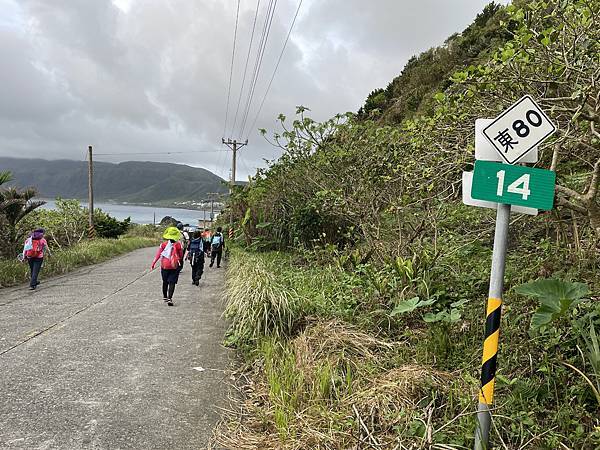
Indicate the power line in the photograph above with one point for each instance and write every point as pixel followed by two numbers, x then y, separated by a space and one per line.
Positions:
pixel 159 153
pixel 246 67
pixel 260 60
pixel 237 15
pixel 258 63
pixel 276 67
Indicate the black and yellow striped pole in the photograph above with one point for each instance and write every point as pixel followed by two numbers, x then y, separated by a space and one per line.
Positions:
pixel 492 329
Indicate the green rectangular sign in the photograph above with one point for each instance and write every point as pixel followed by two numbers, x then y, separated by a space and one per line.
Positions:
pixel 513 185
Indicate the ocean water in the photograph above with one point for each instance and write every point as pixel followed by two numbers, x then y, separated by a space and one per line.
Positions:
pixel 145 214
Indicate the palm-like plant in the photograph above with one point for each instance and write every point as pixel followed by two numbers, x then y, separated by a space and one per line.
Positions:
pixel 15 204
pixel 5 177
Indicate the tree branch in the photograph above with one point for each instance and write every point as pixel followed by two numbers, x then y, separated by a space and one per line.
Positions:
pixel 569 192
pixel 590 195
pixel 567 204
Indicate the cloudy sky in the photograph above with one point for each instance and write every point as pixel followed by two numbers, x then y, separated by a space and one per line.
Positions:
pixel 138 78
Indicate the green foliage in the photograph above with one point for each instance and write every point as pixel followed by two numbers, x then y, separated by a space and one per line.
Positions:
pixel 410 305
pixel 15 205
pixel 66 225
pixel 109 227
pixel 557 297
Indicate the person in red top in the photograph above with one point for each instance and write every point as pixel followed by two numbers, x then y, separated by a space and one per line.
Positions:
pixel 33 253
pixel 170 253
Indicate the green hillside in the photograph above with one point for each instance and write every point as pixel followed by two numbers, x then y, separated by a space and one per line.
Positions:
pixel 358 295
pixel 133 181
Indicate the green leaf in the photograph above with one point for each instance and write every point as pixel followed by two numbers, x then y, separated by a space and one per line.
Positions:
pixel 431 317
pixel 406 306
pixel 550 290
pixel 427 302
pixel 263 225
pixel 454 315
pixel 557 297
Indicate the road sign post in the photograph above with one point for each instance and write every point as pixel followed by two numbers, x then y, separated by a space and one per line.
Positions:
pixel 492 328
pixel 515 134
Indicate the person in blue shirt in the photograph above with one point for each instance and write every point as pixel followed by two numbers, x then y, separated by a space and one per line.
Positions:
pixel 217 244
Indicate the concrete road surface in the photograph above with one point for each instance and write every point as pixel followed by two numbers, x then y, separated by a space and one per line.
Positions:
pixel 96 359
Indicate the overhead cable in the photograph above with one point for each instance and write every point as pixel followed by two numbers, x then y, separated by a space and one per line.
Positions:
pixel 258 62
pixel 275 70
pixel 237 15
pixel 237 110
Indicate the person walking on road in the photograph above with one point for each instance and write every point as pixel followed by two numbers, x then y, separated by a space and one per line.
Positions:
pixel 217 244
pixel 170 254
pixel 206 237
pixel 33 252
pixel 185 239
pixel 196 257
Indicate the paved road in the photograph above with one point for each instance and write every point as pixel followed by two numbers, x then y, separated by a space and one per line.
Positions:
pixel 97 360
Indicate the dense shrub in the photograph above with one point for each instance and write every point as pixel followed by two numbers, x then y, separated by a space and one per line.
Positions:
pixel 109 227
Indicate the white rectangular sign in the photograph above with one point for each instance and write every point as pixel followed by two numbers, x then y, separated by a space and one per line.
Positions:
pixel 487 152
pixel 467 184
pixel 518 130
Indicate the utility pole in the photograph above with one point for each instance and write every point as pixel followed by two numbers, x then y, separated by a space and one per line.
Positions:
pixel 91 230
pixel 234 146
pixel 212 205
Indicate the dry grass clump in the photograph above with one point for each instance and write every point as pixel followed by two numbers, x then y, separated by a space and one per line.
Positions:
pixel 308 395
pixel 394 399
pixel 335 342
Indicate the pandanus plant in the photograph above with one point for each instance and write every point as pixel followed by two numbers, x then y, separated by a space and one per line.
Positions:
pixel 15 204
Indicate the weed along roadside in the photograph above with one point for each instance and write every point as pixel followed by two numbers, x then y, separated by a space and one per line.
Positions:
pixel 364 285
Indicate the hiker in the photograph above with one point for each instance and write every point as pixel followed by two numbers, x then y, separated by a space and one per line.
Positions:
pixel 33 251
pixel 217 244
pixel 195 256
pixel 185 239
pixel 206 237
pixel 170 254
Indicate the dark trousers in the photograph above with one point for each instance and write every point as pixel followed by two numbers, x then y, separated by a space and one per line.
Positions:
pixel 197 263
pixel 35 265
pixel 168 290
pixel 216 254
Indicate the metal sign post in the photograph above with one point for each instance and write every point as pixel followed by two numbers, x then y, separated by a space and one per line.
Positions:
pixel 514 135
pixel 492 328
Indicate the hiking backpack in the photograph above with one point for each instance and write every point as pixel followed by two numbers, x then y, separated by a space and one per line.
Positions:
pixel 217 242
pixel 195 246
pixel 36 250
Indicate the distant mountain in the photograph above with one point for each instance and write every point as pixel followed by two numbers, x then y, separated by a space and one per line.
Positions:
pixel 132 181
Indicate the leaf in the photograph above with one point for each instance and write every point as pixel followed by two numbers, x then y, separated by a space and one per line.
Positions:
pixel 406 306
pixel 543 316
pixel 454 315
pixel 459 303
pixel 553 289
pixel 557 297
pixel 263 224
pixel 431 317
pixel 427 302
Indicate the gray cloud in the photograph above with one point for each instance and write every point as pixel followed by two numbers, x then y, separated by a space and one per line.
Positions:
pixel 131 76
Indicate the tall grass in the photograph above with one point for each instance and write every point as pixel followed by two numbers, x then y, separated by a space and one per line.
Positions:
pixel 12 272
pixel 260 303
